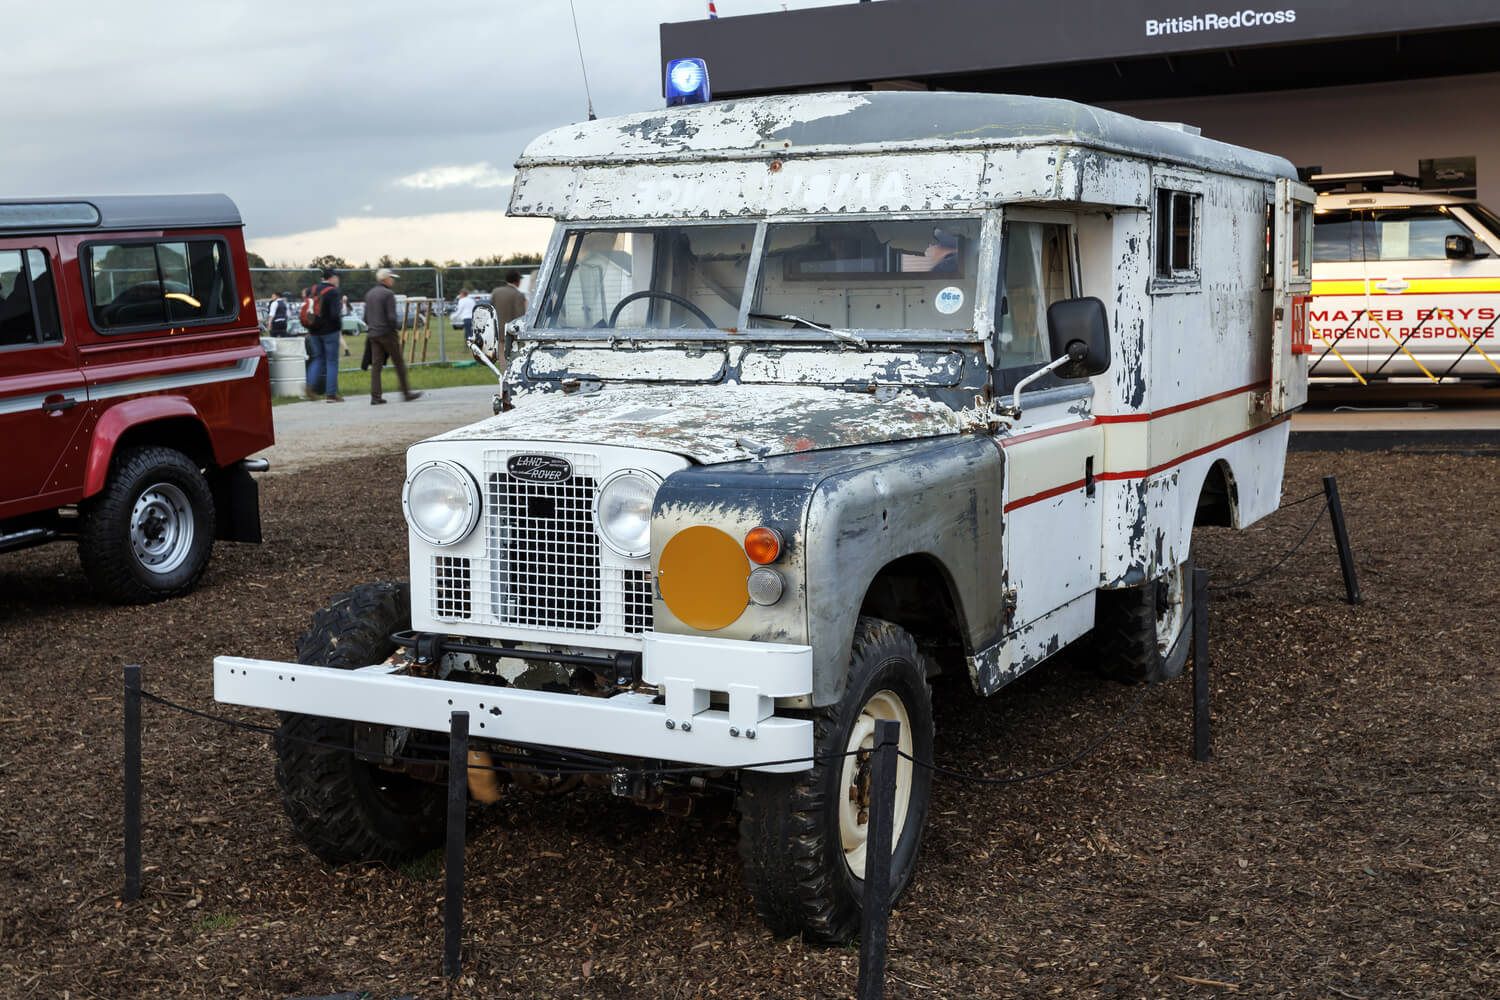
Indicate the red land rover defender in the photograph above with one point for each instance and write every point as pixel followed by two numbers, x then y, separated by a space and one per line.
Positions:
pixel 133 385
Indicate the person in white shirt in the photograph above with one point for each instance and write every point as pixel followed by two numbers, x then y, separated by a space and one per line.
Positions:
pixel 463 314
pixel 276 315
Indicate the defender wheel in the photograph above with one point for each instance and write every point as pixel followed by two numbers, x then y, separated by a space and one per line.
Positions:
pixel 149 533
pixel 344 808
pixel 1141 633
pixel 803 835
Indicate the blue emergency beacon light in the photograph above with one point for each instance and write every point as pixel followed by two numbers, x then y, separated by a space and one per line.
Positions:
pixel 687 82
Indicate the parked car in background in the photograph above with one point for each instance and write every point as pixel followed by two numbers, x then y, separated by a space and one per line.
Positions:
pixel 133 385
pixel 1406 283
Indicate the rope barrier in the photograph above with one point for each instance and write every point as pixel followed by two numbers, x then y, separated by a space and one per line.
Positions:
pixel 1239 584
pixel 981 780
pixel 531 768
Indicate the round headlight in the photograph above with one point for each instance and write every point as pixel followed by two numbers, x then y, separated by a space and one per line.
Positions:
pixel 441 502
pixel 623 512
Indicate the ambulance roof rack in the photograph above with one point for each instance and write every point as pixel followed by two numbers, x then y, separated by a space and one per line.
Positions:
pixel 1363 180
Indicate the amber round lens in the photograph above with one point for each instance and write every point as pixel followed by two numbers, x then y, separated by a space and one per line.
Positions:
pixel 762 545
pixel 704 578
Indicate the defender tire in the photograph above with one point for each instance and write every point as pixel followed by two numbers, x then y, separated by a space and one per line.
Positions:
pixel 801 839
pixel 148 535
pixel 1142 634
pixel 343 808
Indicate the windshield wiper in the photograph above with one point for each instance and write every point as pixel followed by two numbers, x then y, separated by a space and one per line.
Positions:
pixel 844 335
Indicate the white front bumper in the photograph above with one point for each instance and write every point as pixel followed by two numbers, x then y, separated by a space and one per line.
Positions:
pixel 688 669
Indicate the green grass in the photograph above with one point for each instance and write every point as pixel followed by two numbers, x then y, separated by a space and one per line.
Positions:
pixel 221 921
pixel 460 368
pixel 357 383
pixel 423 868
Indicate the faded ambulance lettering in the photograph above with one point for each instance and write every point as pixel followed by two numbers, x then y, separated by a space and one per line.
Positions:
pixel 847 189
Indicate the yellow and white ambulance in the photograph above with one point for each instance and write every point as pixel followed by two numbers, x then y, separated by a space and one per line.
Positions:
pixel 1406 284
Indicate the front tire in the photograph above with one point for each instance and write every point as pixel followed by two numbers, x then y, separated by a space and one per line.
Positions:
pixel 346 809
pixel 802 836
pixel 148 535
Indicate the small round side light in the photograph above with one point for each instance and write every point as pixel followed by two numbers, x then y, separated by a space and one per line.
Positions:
pixel 765 586
pixel 763 545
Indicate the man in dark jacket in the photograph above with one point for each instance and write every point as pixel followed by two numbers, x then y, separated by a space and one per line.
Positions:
pixel 509 304
pixel 385 335
pixel 323 339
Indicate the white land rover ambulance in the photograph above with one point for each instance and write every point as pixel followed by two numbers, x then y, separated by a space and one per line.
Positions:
pixel 819 396
pixel 1406 284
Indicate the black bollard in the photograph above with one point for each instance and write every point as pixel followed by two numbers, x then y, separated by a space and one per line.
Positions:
pixel 1341 538
pixel 877 909
pixel 458 804
pixel 132 783
pixel 1202 736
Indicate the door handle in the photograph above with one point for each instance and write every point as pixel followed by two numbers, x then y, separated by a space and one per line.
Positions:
pixel 55 405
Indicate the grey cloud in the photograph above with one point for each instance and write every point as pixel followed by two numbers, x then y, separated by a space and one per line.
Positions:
pixel 305 114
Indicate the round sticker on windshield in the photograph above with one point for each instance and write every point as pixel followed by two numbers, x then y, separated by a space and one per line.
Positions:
pixel 950 300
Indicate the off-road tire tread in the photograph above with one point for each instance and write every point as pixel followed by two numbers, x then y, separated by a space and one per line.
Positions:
pixel 103 536
pixel 783 842
pixel 1125 633
pixel 317 783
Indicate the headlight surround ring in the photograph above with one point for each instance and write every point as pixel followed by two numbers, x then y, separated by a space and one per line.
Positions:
pixel 441 502
pixel 622 512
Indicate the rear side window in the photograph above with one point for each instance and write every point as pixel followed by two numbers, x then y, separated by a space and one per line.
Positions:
pixel 1336 238
pixel 28 299
pixel 139 285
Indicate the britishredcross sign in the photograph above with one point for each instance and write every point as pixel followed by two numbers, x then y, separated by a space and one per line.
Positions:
pixel 1247 18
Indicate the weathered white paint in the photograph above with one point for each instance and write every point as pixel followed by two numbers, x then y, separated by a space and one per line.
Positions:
pixel 654 364
pixel 820 367
pixel 715 423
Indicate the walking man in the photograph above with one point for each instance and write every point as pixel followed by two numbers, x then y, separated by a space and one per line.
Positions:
pixel 323 338
pixel 509 304
pixel 385 336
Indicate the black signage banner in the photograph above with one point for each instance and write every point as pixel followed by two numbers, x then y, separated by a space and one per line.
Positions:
pixel 924 38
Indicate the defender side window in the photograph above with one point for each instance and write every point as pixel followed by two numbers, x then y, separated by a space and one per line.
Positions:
pixel 1038 271
pixel 1177 234
pixel 139 285
pixel 28 299
pixel 1337 238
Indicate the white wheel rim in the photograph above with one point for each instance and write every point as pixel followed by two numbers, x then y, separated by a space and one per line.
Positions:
pixel 854 778
pixel 161 528
pixel 1170 619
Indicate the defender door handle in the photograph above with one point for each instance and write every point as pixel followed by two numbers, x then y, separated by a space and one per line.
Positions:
pixel 55 405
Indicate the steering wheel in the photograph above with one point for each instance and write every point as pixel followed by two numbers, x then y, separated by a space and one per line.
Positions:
pixel 650 293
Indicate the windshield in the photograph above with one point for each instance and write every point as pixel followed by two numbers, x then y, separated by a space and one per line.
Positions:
pixel 1486 218
pixel 679 277
pixel 884 275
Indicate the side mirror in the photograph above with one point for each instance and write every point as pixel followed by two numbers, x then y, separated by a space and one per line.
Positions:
pixel 1078 329
pixel 1460 247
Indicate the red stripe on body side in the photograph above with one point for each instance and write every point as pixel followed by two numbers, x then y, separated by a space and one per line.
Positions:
pixel 1142 473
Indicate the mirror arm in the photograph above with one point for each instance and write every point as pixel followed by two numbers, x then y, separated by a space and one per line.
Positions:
pixel 1076 352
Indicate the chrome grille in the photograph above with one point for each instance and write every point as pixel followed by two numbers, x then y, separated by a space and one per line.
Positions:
pixel 452 587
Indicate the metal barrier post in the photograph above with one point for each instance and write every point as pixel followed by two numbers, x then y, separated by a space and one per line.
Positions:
pixel 132 783
pixel 458 803
pixel 1202 734
pixel 1341 538
pixel 877 908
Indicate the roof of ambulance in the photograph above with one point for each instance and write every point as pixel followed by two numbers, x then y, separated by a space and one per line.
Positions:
pixel 882 121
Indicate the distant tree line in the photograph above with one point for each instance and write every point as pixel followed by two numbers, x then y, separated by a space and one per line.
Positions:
pixel 478 275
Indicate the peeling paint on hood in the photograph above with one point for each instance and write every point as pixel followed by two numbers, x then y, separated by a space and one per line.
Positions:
pixel 716 424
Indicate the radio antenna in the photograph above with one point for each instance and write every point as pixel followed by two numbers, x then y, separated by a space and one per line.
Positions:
pixel 581 66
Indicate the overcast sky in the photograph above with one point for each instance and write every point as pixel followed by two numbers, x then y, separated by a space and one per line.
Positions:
pixel 358 129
